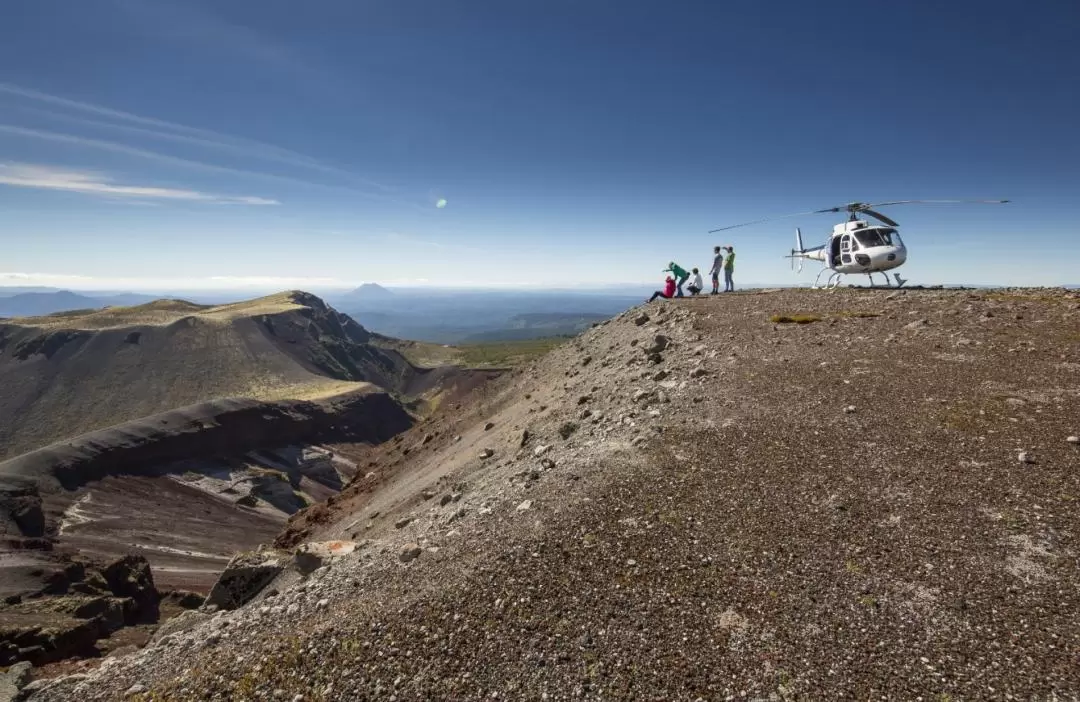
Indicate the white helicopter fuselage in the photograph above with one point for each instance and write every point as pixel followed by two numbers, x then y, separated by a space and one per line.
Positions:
pixel 856 246
pixel 860 247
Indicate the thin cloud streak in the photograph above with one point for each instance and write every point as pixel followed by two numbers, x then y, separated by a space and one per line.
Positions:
pixel 46 178
pixel 177 161
pixel 178 132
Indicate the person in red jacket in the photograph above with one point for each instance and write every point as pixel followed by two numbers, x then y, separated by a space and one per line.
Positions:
pixel 667 292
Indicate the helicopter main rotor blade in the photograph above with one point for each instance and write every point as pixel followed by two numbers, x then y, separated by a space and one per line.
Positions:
pixel 880 217
pixel 860 207
pixel 946 202
pixel 770 219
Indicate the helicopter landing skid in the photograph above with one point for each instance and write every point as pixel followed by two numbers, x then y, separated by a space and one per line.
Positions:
pixel 831 282
pixel 888 284
pixel 834 280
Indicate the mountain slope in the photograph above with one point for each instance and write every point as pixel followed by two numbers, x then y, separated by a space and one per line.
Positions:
pixel 704 502
pixel 72 373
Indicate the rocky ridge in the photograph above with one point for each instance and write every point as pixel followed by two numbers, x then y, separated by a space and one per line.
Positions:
pixel 698 500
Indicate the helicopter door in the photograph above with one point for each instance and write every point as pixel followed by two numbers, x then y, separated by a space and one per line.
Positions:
pixel 846 247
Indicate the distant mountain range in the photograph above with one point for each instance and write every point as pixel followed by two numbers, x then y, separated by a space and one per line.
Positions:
pixel 36 304
pixel 8 291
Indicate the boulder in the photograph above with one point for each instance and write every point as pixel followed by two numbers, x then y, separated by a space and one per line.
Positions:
pixel 245 576
pixel 130 576
pixel 93 584
pixel 660 343
pixel 111 613
pixel 13 681
pixel 312 556
pixel 184 599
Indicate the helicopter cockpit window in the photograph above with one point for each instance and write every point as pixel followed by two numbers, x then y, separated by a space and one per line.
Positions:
pixel 875 237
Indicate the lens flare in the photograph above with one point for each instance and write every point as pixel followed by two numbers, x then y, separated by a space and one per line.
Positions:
pixel 440 203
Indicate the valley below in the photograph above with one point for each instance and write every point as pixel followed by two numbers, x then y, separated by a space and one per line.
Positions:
pixel 257 410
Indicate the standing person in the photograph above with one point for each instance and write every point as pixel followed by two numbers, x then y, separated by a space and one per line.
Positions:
pixel 729 269
pixel 717 264
pixel 695 285
pixel 667 292
pixel 680 276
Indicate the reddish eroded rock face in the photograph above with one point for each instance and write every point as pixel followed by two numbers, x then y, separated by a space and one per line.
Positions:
pixel 138 473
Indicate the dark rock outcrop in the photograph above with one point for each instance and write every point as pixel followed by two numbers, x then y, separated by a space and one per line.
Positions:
pixel 80 605
pixel 130 576
pixel 20 509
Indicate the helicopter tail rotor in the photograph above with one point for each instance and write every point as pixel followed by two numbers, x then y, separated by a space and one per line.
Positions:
pixel 795 253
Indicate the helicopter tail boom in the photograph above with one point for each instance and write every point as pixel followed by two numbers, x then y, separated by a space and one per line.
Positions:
pixel 815 254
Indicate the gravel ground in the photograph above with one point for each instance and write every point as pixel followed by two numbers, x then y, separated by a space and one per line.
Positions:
pixel 879 503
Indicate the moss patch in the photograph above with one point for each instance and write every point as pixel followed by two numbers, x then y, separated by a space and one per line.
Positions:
pixel 795 318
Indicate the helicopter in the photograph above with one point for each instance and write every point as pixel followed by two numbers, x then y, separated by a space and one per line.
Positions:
pixel 857 246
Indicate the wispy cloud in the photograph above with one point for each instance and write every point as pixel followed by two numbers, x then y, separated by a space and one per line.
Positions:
pixel 47 178
pixel 119 148
pixel 116 147
pixel 139 125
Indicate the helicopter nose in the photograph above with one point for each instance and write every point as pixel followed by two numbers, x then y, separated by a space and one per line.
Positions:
pixel 881 258
pixel 893 257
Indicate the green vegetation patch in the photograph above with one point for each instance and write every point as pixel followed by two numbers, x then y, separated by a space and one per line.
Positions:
pixel 795 318
pixel 1027 296
pixel 496 354
pixel 507 353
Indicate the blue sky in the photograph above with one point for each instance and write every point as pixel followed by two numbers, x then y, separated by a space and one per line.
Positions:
pixel 268 143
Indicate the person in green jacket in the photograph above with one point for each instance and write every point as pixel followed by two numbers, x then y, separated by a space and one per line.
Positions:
pixel 729 270
pixel 681 276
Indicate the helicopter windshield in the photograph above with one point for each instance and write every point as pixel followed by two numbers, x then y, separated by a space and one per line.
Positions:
pixel 876 237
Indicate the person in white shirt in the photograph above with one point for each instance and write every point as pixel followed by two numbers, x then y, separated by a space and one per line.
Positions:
pixel 717 266
pixel 695 285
